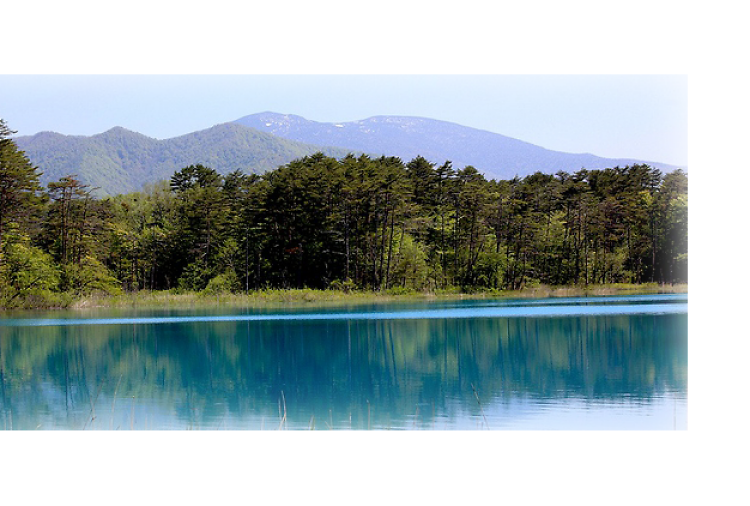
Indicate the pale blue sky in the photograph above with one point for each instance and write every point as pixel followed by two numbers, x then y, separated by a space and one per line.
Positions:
pixel 636 116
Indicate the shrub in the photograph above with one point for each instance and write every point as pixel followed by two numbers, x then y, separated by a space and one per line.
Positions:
pixel 345 286
pixel 223 283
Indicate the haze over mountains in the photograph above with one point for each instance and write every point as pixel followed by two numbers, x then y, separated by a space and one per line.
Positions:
pixel 495 155
pixel 119 160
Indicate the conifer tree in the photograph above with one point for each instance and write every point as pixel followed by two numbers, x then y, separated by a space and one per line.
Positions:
pixel 19 184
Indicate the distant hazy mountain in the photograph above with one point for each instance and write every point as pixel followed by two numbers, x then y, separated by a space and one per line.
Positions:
pixel 120 161
pixel 493 154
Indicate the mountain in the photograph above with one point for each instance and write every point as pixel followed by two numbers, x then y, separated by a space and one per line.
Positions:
pixel 120 161
pixel 495 155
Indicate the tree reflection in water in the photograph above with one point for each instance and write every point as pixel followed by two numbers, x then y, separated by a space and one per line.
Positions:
pixel 333 373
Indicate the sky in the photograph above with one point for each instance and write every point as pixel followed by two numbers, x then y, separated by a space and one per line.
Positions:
pixel 616 116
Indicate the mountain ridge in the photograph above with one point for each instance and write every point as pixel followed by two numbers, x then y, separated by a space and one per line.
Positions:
pixel 493 154
pixel 120 160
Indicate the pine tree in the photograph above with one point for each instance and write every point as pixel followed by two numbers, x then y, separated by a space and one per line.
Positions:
pixel 19 185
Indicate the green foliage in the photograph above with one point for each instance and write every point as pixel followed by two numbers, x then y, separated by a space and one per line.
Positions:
pixel 19 185
pixel 401 290
pixel 346 225
pixel 28 276
pixel 226 282
pixel 490 269
pixel 89 276
pixel 119 161
pixel 410 271
pixel 194 277
pixel 346 286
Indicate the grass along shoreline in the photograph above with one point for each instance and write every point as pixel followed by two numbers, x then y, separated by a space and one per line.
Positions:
pixel 286 297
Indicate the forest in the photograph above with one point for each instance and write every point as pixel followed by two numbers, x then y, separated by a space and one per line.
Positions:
pixel 356 223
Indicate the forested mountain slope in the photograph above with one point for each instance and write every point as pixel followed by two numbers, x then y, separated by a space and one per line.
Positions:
pixel 119 160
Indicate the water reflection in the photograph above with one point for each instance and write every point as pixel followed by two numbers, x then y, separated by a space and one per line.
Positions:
pixel 413 373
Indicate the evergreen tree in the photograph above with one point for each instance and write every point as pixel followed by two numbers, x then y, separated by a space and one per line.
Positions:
pixel 358 222
pixel 19 186
pixel 202 216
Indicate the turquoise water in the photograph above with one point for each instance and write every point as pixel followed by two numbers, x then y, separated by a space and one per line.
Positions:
pixel 572 363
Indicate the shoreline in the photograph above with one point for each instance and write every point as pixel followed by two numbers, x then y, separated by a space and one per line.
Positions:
pixel 305 296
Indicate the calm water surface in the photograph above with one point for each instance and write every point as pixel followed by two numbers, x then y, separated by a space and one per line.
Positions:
pixel 563 363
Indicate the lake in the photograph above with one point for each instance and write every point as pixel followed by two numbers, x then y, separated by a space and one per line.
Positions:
pixel 560 363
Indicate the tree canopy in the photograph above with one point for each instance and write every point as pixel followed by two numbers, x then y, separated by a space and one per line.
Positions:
pixel 357 221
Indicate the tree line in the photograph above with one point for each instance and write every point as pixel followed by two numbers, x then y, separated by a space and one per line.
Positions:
pixel 359 222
